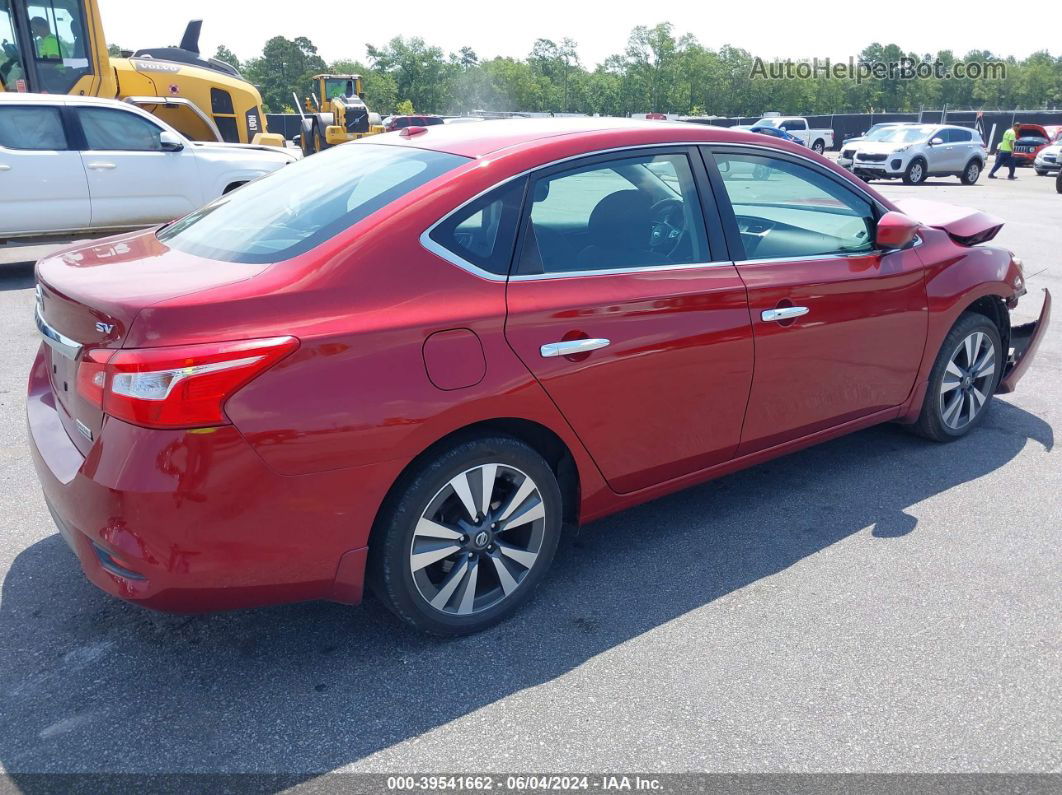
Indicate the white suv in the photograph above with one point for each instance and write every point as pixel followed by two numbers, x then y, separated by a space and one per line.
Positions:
pixel 73 164
pixel 916 151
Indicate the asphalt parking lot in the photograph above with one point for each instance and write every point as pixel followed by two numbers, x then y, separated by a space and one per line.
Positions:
pixel 879 603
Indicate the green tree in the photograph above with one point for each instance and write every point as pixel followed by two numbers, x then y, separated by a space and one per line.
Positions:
pixel 284 68
pixel 228 56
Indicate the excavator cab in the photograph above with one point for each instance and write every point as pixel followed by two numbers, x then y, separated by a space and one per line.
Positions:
pixel 45 46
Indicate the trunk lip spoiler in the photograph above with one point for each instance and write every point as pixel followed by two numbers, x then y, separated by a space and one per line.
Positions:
pixel 60 342
pixel 1032 332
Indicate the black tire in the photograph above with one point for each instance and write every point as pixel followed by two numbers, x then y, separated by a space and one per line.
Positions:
pixel 1058 182
pixel 319 143
pixel 916 172
pixel 972 171
pixel 1040 172
pixel 426 491
pixel 931 422
pixel 819 146
pixel 306 137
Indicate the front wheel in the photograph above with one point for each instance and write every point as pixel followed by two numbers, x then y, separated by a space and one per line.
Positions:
pixel 468 537
pixel 915 173
pixel 963 379
pixel 1040 172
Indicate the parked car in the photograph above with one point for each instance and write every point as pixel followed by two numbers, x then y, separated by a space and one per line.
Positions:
pixel 71 164
pixel 1048 159
pixel 914 152
pixel 818 139
pixel 848 148
pixel 776 132
pixel 1031 139
pixel 410 360
pixel 392 123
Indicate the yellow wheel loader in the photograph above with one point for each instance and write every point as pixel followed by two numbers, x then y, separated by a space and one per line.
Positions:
pixel 58 47
pixel 335 113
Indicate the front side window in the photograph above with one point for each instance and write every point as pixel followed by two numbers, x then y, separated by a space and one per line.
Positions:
pixel 630 212
pixel 786 210
pixel 483 232
pixel 31 127
pixel 59 43
pixel 303 204
pixel 118 130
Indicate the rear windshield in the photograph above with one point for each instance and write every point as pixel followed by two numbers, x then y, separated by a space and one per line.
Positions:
pixel 300 206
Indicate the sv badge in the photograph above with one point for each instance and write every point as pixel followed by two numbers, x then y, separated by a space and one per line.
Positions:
pixel 104 328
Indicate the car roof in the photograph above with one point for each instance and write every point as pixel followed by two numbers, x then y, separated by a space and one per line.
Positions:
pixel 19 98
pixel 487 137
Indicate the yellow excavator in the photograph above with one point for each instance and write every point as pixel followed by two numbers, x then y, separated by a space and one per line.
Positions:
pixel 335 112
pixel 58 47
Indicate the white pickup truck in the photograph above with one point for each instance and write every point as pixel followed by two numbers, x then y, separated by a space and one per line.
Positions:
pixel 797 126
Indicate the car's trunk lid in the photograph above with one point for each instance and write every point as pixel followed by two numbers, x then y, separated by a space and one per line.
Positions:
pixel 88 297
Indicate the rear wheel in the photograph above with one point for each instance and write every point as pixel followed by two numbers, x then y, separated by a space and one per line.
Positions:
pixel 1058 182
pixel 963 379
pixel 819 146
pixel 971 172
pixel 468 537
pixel 916 172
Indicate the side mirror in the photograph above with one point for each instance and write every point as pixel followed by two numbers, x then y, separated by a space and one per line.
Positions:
pixel 170 142
pixel 724 167
pixel 895 230
pixel 936 141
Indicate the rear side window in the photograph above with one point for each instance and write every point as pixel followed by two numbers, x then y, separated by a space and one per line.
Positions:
pixel 117 130
pixel 300 206
pixel 959 136
pixel 32 128
pixel 483 232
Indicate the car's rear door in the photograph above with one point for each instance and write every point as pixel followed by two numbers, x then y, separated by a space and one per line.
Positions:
pixel 839 326
pixel 43 187
pixel 636 327
pixel 132 180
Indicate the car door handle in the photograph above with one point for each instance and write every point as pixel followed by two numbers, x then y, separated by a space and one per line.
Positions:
pixel 102 166
pixel 572 347
pixel 783 313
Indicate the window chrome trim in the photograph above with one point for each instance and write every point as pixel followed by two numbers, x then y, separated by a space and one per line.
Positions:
pixel 455 259
pixel 533 277
pixel 832 255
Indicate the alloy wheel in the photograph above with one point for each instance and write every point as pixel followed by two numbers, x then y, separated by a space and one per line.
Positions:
pixel 478 539
pixel 916 172
pixel 967 380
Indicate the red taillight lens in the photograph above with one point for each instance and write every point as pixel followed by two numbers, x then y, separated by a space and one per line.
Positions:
pixel 180 387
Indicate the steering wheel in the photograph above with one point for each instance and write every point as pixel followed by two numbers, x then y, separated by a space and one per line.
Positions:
pixel 667 227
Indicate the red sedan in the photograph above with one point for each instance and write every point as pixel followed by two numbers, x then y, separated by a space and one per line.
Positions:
pixel 412 359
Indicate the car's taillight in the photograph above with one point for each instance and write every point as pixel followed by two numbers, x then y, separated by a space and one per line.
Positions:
pixel 179 387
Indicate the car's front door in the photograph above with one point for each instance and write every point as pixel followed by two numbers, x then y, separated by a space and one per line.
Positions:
pixel 839 326
pixel 637 329
pixel 132 179
pixel 42 183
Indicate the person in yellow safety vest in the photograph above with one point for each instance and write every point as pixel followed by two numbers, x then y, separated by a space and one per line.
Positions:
pixel 1005 152
pixel 48 44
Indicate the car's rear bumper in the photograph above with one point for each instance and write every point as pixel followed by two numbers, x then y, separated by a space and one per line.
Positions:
pixel 194 520
pixel 1024 340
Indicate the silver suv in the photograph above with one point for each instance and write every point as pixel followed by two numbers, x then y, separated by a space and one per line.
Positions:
pixel 916 151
